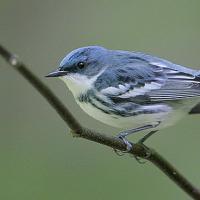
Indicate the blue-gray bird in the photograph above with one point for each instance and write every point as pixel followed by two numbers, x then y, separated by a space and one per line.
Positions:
pixel 133 91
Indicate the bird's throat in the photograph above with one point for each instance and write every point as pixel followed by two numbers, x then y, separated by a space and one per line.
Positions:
pixel 77 83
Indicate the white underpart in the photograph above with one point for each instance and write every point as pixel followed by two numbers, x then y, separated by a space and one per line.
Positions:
pixel 79 83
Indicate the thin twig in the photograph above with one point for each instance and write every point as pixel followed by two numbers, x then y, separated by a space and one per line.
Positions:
pixel 138 150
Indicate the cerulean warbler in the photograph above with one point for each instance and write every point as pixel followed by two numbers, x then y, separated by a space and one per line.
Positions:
pixel 133 91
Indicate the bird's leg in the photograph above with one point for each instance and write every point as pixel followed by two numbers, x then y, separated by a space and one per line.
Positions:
pixel 141 141
pixel 124 134
pixel 128 146
pixel 135 130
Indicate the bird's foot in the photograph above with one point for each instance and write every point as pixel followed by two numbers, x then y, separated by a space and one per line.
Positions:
pixel 142 160
pixel 129 146
pixel 126 142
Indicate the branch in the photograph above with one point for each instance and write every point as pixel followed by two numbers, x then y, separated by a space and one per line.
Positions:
pixel 138 150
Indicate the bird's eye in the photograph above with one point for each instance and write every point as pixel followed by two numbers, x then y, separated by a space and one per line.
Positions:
pixel 81 65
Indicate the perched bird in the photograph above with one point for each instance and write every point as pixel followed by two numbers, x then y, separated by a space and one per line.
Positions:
pixel 133 91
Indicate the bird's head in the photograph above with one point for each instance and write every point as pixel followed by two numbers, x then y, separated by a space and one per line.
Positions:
pixel 85 62
pixel 80 68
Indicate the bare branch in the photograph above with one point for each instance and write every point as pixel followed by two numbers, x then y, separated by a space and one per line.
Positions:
pixel 138 150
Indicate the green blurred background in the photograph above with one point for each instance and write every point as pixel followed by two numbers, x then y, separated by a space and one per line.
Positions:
pixel 38 159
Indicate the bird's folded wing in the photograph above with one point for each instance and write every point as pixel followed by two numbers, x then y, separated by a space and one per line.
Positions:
pixel 178 85
pixel 149 82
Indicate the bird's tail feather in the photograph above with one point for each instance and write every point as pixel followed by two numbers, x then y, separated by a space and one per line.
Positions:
pixel 195 109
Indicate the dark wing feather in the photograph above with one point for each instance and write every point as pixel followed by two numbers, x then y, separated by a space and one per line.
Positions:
pixel 141 80
pixel 178 85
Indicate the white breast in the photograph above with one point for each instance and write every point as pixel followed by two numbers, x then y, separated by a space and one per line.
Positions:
pixel 77 83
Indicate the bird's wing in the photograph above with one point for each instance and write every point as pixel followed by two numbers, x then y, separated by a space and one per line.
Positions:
pixel 177 85
pixel 141 80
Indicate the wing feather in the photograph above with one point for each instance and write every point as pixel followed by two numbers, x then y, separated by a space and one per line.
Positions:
pixel 148 81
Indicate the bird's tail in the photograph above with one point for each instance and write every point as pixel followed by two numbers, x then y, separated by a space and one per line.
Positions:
pixel 197 74
pixel 195 109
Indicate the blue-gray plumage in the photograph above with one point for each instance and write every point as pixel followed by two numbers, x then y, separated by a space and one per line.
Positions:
pixel 129 89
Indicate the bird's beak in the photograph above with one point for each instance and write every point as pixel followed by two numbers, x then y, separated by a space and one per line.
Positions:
pixel 57 73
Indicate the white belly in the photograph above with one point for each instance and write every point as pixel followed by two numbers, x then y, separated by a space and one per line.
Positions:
pixel 124 123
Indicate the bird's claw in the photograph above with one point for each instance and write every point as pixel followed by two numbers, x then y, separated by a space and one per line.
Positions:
pixel 127 143
pixel 128 146
pixel 148 154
